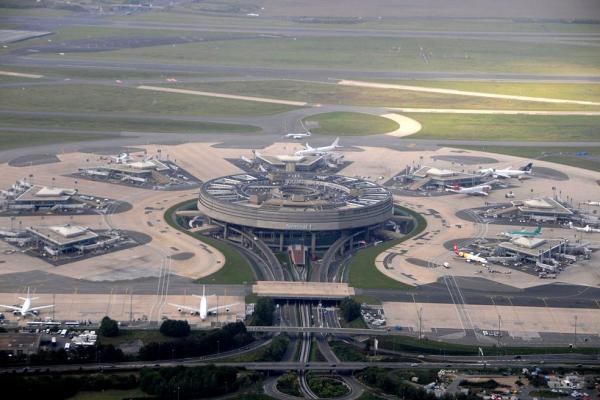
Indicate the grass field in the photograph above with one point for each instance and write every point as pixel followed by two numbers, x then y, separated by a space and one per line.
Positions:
pixel 236 269
pixel 507 127
pixel 364 273
pixel 315 353
pixel 199 13
pixel 349 124
pixel 100 98
pixel 13 140
pixel 418 54
pixel 332 93
pixel 357 323
pixel 566 91
pixel 111 123
pixel 128 335
pixel 560 155
pixel 112 394
pixel 425 346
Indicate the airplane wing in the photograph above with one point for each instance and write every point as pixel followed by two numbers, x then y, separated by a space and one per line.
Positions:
pixel 213 309
pixel 479 193
pixel 11 307
pixel 188 308
pixel 40 307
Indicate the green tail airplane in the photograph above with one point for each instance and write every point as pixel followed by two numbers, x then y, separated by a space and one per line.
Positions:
pixel 536 232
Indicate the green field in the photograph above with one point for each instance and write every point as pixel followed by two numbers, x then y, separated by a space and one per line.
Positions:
pixel 236 269
pixel 112 394
pixel 128 335
pixel 13 140
pixel 111 123
pixel 349 124
pixel 565 91
pixel 200 13
pixel 561 155
pixel 332 93
pixel 415 54
pixel 364 273
pixel 119 99
pixel 507 127
pixel 426 346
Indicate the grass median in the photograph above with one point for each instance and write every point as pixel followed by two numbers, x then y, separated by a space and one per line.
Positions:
pixel 13 140
pixel 427 346
pixel 123 123
pixel 236 269
pixel 364 273
pixel 349 124
pixel 507 127
pixel 588 157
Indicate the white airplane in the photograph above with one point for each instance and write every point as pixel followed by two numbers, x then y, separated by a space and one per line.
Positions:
pixel 593 203
pixel 507 172
pixel 317 151
pixel 203 311
pixel 26 308
pixel 586 228
pixel 122 158
pixel 470 257
pixel 479 190
pixel 297 135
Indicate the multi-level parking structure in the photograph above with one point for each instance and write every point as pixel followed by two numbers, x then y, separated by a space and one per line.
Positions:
pixel 294 208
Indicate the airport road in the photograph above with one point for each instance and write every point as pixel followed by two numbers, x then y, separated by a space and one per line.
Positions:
pixel 290 73
pixel 312 366
pixel 51 23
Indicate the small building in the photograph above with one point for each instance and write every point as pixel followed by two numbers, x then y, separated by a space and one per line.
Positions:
pixel 19 344
pixel 62 239
pixel 42 197
pixel 441 178
pixel 533 249
pixel 543 210
pixel 290 163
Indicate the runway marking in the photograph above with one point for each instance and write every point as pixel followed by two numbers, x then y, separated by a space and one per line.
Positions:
pixel 464 93
pixel 227 96
pixel 20 74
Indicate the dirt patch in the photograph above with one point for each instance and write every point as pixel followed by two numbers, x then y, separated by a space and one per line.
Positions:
pixel 33 159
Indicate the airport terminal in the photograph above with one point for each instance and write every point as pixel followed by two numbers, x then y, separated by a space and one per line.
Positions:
pixel 300 199
pixel 284 209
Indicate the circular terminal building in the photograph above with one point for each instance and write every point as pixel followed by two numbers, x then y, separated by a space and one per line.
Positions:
pixel 290 208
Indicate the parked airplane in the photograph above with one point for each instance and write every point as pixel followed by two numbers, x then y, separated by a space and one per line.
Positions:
pixel 122 158
pixel 317 151
pixel 470 257
pixel 203 311
pixel 25 309
pixel 586 228
pixel 507 172
pixel 297 135
pixel 524 233
pixel 593 203
pixel 479 190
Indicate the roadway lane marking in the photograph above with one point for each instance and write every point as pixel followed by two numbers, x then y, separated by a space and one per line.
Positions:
pixel 20 75
pixel 226 96
pixel 464 93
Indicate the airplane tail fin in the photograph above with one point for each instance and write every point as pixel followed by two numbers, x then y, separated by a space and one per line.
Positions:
pixel 538 229
pixel 336 142
pixel 570 224
pixel 527 167
pixel 308 146
pixel 456 248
